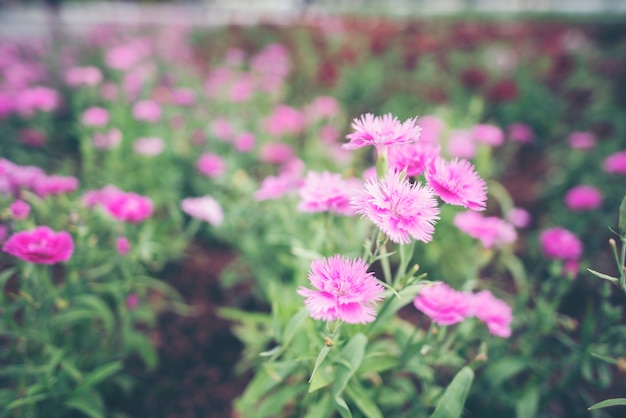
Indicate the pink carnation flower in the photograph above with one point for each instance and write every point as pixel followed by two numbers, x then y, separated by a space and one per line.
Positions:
pixel 211 165
pixel 244 142
pixel 204 208
pixel 322 107
pixel 284 120
pixel 274 187
pixel 55 185
pixel 518 217
pixel 83 76
pixel 276 153
pixel 40 245
pixel 583 198
pixel 329 134
pixel 150 147
pixel 496 314
pixel 444 305
pixel 461 144
pixel 431 129
pixel 412 157
pixel 32 137
pixel 20 210
pixel 403 211
pixel 560 244
pixel 184 97
pixel 521 133
pixel 488 134
pixel 615 163
pixel 326 192
pixel 581 140
pixel 381 131
pixel 457 183
pixel 129 207
pixel 95 116
pixel 344 290
pixel 36 99
pixel 122 245
pixel 147 110
pixel 107 140
pixel 491 231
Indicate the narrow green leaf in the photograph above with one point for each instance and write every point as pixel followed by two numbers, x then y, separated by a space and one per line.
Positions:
pixel 101 373
pixel 97 305
pixel 323 408
pixel 343 408
pixel 320 358
pixel 88 402
pixel 622 219
pixel 613 280
pixel 28 400
pixel 503 369
pixel 604 358
pixel 363 400
pixel 407 295
pixel 608 402
pixel 527 404
pixel 349 361
pixel 451 403
pixel 4 278
pixel 293 326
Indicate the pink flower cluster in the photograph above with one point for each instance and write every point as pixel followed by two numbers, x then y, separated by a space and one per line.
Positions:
pixel 327 192
pixel 14 178
pixel 40 245
pixel 123 206
pixel 381 131
pixel 446 306
pixel 491 231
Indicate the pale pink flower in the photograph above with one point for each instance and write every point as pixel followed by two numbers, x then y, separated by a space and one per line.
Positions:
pixel 403 211
pixel 149 147
pixel 83 76
pixel 461 144
pixel 560 244
pixel 518 217
pixel 211 165
pixel 40 245
pixel 344 290
pixel 125 56
pixel 107 140
pixel 413 158
pixel 55 185
pixel 244 142
pixel 276 153
pixel 19 209
pixel 615 163
pixel 444 305
pixel 495 313
pixel 122 245
pixel 329 134
pixel 583 198
pixel 581 140
pixel 34 99
pixel 14 177
pixel 456 182
pixel 147 110
pixel 521 133
pixel 205 208
pixel 271 60
pixel 326 192
pixel 95 116
pixel 284 120
pixel 431 129
pixel 222 129
pixel 242 89
pixel 488 134
pixel 381 131
pixel 109 91
pixel 184 97
pixel 322 107
pixel 491 231
pixel 7 104
pixel 100 196
pixel 274 187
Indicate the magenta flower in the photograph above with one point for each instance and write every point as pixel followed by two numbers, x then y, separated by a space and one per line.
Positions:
pixel 491 231
pixel 519 132
pixel 495 313
pixel 122 245
pixel 150 147
pixel 32 137
pixel 40 245
pixel 204 208
pixel 581 140
pixel 211 165
pixel 34 99
pixel 132 301
pixel 147 110
pixel 20 209
pixel 488 134
pixel 184 97
pixel 381 131
pixel 444 305
pixel 326 192
pixel 403 211
pixel 55 185
pixel 413 158
pixel 457 183
pixel 560 244
pixel 95 116
pixel 345 290
pixel 244 142
pixel 583 198
pixel 129 207
pixel 615 163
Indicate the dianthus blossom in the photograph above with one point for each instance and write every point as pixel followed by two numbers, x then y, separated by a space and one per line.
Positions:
pixel 55 185
pixel 129 207
pixel 491 231
pixel 184 97
pixel 457 183
pixel 581 140
pixel 20 209
pixel 412 158
pixel 381 131
pixel 149 147
pixel 40 245
pixel 122 245
pixel 444 305
pixel 274 187
pixel 34 99
pixel 583 198
pixel 107 140
pixel 32 137
pixel 284 120
pixel 204 208
pixel 495 313
pixel 276 153
pixel 560 244
pixel 211 165
pixel 147 110
pixel 431 129
pixel 488 134
pixel 403 211
pixel 78 76
pixel 518 217
pixel 344 290
pixel 519 132
pixel 244 142
pixel 322 107
pixel 95 116
pixel 615 163
pixel 461 144
pixel 326 192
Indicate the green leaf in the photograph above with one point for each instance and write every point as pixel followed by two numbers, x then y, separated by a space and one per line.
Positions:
pixel 321 408
pixel 613 280
pixel 384 315
pixel 28 400
pixel 320 358
pixel 363 400
pixel 608 402
pixel 502 370
pixel 622 219
pixel 144 347
pixel 451 403
pixel 348 362
pixel 88 402
pixel 527 404
pixel 344 410
pixel 100 308
pixel 4 278
pixel 263 382
pixel 293 326
pixel 101 373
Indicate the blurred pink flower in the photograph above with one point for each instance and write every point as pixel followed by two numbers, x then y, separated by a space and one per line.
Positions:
pixel 274 187
pixel 381 131
pixel 83 76
pixel 615 163
pixel 244 142
pixel 109 91
pixel 560 244
pixel 234 57
pixel 40 245
pixel 149 147
pixel 488 134
pixel 211 165
pixel 403 211
pixel 222 129
pixel 276 153
pixel 521 133
pixel 518 217
pixel 7 104
pixel 205 208
pixel 582 198
pixel 95 116
pixel 35 99
pixel 55 185
pixel 491 231
pixel 495 313
pixel 284 120
pixel 14 177
pixel 444 305
pixel 461 144
pixel 125 56
pixel 122 245
pixel 329 134
pixel 184 97
pixel 431 129
pixel 457 183
pixel 100 196
pixel 343 289
pixel 132 301
pixel 326 192
pixel 107 140
pixel 571 268
pixel 19 209
pixel 129 207
pixel 412 157
pixel 147 110
pixel 322 107
pixel 32 137
pixel 581 140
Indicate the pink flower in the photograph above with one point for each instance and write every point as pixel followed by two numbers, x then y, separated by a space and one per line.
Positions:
pixel 40 245
pixel 32 137
pixel 381 131
pixel 101 196
pixel 14 177
pixel 273 187
pixel 615 163
pixel 149 147
pixel 496 314
pixel 583 198
pixel 95 116
pixel 345 290
pixel 412 157
pixel 83 76
pixel 184 97
pixel 7 104
pixel 122 245
pixel 204 208
pixel 457 183
pixel 571 268
pixel 147 110
pixel 521 133
pixel 107 140
pixel 432 127
pixel 244 142
pixel 128 207
pixel 35 99
pixel 132 301
pixel 488 134
pixel 444 305
pixel 329 134
pixel 276 153
pixel 491 231
pixel 55 185
pixel 461 144
pixel 581 140
pixel 326 192
pixel 284 120
pixel 20 209
pixel 518 217
pixel 403 211
pixel 222 129
pixel 211 165
pixel 560 244
pixel 109 91
pixel 322 107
